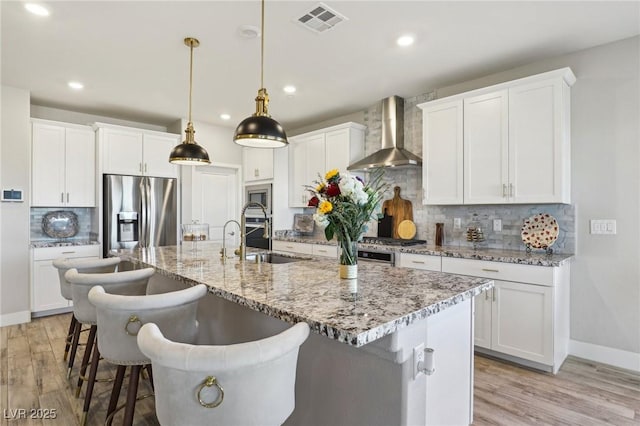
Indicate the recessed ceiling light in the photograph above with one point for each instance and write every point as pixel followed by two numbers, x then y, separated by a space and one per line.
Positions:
pixel 405 40
pixel 76 85
pixel 37 9
pixel 225 116
pixel 289 89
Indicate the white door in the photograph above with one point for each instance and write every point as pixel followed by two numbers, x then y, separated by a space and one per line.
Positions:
pixel 156 150
pixel 216 199
pixel 297 173
pixel 46 287
pixel 486 151
pixel 522 321
pixel 122 153
pixel 80 175
pixel 482 325
pixel 48 165
pixel 442 154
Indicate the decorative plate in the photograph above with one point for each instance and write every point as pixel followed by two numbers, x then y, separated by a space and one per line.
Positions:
pixel 540 231
pixel 60 224
pixel 303 223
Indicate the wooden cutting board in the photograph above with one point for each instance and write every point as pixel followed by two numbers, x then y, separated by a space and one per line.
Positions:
pixel 399 208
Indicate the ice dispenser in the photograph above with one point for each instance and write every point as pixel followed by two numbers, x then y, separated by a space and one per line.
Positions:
pixel 127 227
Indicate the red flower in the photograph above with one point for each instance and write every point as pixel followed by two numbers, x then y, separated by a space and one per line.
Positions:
pixel 333 189
pixel 313 202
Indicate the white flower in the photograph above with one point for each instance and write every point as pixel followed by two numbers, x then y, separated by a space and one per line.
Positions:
pixel 321 219
pixel 347 184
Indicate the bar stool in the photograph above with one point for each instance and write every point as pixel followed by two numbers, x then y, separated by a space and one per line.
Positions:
pixel 127 282
pixel 250 383
pixel 119 320
pixel 85 266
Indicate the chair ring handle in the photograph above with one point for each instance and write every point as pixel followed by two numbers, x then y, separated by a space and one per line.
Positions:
pixel 208 382
pixel 132 320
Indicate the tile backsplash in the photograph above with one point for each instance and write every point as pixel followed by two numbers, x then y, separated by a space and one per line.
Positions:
pixel 85 231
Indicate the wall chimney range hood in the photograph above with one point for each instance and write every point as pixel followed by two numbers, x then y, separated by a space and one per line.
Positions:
pixel 392 152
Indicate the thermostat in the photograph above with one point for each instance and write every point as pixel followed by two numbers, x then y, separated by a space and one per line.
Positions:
pixel 12 195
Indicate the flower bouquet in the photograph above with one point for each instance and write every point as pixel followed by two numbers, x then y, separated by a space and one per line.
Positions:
pixel 344 204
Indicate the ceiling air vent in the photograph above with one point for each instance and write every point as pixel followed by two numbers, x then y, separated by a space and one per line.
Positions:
pixel 320 18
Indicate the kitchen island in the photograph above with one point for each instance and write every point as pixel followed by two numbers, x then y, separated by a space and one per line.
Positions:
pixel 357 367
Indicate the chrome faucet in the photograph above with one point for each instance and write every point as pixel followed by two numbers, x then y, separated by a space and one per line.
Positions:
pixel 223 251
pixel 243 228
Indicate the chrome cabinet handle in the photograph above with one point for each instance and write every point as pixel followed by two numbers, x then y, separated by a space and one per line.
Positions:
pixel 504 189
pixel 145 167
pixel 67 197
pixel 62 197
pixel 140 167
pixel 256 172
pixel 68 252
pixel 486 295
pixel 510 190
pixel 493 293
pixel 490 270
pixel 420 262
pixel 322 251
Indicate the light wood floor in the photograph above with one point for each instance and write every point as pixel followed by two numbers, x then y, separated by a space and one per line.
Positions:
pixel 33 375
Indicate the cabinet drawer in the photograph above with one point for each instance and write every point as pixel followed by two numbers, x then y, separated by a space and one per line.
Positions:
pixel 420 261
pixel 324 250
pixel 51 253
pixel 540 275
pixel 288 246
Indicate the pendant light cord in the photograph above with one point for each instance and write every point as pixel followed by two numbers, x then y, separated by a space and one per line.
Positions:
pixel 190 77
pixel 262 49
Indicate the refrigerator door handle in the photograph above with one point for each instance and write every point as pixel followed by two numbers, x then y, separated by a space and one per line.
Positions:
pixel 143 214
pixel 147 194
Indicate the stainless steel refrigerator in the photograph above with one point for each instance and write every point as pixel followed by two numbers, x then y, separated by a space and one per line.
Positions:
pixel 139 211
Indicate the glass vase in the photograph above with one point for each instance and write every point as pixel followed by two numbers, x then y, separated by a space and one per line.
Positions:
pixel 348 259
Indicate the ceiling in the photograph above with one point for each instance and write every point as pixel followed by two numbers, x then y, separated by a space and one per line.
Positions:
pixel 134 64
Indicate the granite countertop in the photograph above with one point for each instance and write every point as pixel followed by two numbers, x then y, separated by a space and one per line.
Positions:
pixel 382 300
pixel 44 244
pixel 537 258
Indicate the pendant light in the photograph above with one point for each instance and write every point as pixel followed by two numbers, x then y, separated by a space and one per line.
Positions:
pixel 189 153
pixel 260 130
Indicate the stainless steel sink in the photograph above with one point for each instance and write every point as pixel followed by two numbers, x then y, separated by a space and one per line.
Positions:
pixel 273 258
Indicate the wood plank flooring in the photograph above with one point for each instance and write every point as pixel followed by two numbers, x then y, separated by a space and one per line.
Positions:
pixel 33 376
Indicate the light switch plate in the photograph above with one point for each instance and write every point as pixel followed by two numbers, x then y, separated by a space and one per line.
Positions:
pixel 497 225
pixel 603 226
pixel 457 223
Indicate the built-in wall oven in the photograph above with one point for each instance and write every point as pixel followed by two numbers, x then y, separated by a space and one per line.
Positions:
pixel 254 231
pixel 258 194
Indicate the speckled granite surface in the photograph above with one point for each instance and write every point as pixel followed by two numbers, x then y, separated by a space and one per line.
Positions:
pixel 537 258
pixel 382 300
pixel 44 244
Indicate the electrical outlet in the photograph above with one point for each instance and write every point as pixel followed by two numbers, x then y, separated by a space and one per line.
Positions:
pixel 418 359
pixel 603 226
pixel 457 223
pixel 497 225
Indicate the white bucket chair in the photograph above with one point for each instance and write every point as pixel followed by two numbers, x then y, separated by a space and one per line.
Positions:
pixel 119 320
pixel 128 283
pixel 250 383
pixel 85 266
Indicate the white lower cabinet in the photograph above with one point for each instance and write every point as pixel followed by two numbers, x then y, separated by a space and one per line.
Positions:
pixel 525 316
pixel 305 248
pixel 45 285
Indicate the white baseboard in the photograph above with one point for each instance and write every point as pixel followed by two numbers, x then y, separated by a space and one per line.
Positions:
pixel 15 318
pixel 615 357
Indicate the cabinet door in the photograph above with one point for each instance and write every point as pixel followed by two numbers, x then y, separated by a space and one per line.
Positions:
pixel 337 150
pixel 80 168
pixel 486 152
pixel 538 149
pixel 482 326
pixel 442 154
pixel 156 150
pixel 297 174
pixel 45 294
pixel 122 152
pixel 522 321
pixel 258 164
pixel 315 161
pixel 47 178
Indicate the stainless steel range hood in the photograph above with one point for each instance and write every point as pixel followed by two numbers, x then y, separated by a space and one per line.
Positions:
pixel 392 152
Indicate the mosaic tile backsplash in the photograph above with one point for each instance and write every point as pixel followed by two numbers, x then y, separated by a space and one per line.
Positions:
pixel 84 223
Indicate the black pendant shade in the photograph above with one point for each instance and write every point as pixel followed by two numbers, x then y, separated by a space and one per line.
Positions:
pixel 260 131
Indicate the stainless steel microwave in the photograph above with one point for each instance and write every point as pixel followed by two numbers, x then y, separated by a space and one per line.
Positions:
pixel 258 194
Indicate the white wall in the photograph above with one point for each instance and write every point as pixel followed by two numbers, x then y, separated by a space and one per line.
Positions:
pixel 605 111
pixel 66 116
pixel 14 217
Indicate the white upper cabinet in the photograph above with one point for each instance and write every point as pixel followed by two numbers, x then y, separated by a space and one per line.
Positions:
pixel 516 143
pixel 130 151
pixel 63 165
pixel 314 153
pixel 257 163
pixel 442 156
